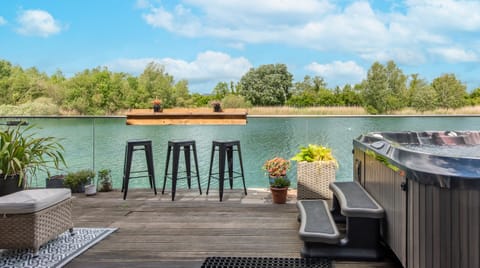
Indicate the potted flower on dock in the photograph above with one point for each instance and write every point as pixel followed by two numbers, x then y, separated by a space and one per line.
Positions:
pixel 217 106
pixel 157 105
pixel 276 169
pixel 316 167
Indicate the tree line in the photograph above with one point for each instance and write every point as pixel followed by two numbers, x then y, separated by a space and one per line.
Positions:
pixel 100 91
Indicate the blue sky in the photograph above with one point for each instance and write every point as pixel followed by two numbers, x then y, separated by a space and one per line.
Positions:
pixel 207 41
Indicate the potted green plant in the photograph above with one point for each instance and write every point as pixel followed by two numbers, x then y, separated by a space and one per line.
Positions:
pixel 279 189
pixel 105 180
pixel 276 169
pixel 316 167
pixel 22 154
pixel 76 181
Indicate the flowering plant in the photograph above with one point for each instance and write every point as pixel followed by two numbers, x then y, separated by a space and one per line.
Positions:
pixel 215 103
pixel 277 167
pixel 157 101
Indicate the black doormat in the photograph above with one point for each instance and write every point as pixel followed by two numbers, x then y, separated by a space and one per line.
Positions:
pixel 244 262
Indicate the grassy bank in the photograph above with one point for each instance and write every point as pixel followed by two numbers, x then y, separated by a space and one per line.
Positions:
pixel 45 107
pixel 339 110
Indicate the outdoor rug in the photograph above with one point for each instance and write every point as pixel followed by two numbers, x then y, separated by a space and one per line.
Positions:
pixel 57 252
pixel 260 262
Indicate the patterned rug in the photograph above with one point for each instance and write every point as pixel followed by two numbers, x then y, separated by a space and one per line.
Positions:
pixel 264 262
pixel 57 252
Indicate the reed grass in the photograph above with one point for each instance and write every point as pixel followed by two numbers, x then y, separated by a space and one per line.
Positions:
pixel 288 110
pixel 467 110
pixel 354 110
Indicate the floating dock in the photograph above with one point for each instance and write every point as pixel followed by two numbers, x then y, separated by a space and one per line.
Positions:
pixel 187 116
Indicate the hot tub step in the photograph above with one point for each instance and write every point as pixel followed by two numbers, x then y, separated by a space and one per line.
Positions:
pixel 354 201
pixel 316 223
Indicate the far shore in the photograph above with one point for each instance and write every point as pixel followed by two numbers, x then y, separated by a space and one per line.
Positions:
pixel 286 111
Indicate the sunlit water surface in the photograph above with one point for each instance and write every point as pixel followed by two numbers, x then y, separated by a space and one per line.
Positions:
pixel 100 143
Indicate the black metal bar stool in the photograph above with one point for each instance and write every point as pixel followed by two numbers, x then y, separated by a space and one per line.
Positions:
pixel 130 147
pixel 225 152
pixel 175 147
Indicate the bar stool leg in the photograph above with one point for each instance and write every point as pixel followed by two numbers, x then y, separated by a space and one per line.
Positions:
pixel 176 154
pixel 166 168
pixel 127 171
pixel 221 169
pixel 124 167
pixel 150 168
pixel 230 165
pixel 194 148
pixel 210 170
pixel 241 167
pixel 186 153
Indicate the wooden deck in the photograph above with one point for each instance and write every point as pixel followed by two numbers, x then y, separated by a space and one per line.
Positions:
pixel 153 231
pixel 187 116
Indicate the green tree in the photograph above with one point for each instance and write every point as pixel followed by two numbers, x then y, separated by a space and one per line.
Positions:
pixel 450 92
pixel 422 95
pixel 474 96
pixel 384 90
pixel 155 82
pixel 267 85
pixel 375 89
pixel 220 90
pixel 349 96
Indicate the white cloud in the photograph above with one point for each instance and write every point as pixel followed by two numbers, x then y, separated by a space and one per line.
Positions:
pixel 37 23
pixel 445 14
pixel 3 21
pixel 452 54
pixel 338 72
pixel 404 34
pixel 208 66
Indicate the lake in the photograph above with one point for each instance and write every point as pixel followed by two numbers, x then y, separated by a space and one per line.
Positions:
pixel 99 143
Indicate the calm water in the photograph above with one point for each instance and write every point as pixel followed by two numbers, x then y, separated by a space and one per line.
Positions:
pixel 99 143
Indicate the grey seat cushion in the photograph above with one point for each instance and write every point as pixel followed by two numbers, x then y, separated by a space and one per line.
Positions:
pixel 30 201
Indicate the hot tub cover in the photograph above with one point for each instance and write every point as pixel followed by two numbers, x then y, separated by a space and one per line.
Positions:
pixel 405 150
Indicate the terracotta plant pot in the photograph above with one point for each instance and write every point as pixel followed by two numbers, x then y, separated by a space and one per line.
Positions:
pixel 279 195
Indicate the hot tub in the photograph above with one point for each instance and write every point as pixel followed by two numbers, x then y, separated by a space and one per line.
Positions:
pixel 429 185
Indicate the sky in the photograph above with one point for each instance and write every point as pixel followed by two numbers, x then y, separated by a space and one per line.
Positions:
pixel 210 41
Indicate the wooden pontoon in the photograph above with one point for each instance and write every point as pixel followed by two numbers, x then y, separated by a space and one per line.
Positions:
pixel 187 116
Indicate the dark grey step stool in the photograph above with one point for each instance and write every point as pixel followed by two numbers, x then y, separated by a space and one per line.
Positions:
pixel 175 146
pixel 130 147
pixel 362 213
pixel 225 151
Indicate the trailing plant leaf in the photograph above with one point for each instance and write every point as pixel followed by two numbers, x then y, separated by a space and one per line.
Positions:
pixel 382 159
pixel 280 182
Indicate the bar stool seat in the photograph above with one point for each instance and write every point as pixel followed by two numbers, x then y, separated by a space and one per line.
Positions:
pixel 175 146
pixel 130 147
pixel 225 152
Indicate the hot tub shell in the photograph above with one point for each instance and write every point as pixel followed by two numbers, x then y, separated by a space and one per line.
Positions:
pixel 431 202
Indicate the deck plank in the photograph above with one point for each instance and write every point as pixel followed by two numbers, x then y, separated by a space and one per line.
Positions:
pixel 156 232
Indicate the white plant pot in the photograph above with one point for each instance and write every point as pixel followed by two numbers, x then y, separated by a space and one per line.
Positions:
pixel 90 189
